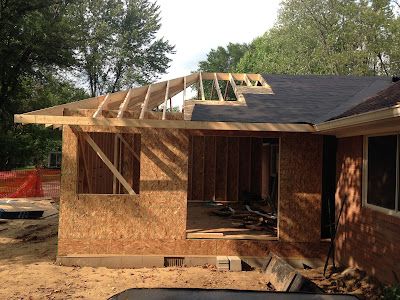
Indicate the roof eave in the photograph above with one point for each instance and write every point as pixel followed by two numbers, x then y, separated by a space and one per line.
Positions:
pixel 349 122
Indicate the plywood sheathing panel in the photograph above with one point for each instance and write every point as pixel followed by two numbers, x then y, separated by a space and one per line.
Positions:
pixel 179 247
pixel 69 172
pixel 154 221
pixel 300 188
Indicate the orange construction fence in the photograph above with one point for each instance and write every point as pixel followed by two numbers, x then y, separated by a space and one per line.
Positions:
pixel 30 183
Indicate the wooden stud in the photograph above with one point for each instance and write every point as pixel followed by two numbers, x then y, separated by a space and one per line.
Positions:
pixel 234 87
pixel 108 163
pixel 85 165
pixel 102 105
pixel 226 90
pixel 115 163
pixel 145 103
pixel 184 89
pixel 164 115
pixel 201 87
pixel 128 146
pixel 247 80
pixel 124 104
pixel 217 88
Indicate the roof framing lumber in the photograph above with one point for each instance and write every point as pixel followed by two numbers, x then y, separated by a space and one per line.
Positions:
pixel 164 115
pixel 246 79
pixel 184 89
pixel 234 87
pixel 147 123
pixel 102 105
pixel 124 104
pixel 201 87
pixel 145 103
pixel 218 89
pixel 107 162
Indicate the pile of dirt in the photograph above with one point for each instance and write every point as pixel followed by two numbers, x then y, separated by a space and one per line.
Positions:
pixel 346 281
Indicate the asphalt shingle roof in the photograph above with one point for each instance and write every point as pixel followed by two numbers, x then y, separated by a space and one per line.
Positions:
pixel 297 99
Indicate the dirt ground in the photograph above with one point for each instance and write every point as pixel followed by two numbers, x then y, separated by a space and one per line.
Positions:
pixel 28 271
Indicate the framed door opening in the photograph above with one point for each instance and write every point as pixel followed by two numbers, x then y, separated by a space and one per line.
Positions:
pixel 233 187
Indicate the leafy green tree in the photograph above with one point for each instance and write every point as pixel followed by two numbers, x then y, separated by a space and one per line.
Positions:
pixel 26 145
pixel 328 37
pixel 222 59
pixel 34 35
pixel 118 46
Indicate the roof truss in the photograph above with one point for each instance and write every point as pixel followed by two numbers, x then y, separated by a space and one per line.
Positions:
pixel 135 106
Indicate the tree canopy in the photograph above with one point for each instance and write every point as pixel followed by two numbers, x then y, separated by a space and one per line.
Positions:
pixel 118 47
pixel 46 44
pixel 329 37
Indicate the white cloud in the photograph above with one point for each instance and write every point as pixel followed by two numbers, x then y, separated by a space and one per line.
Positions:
pixel 196 26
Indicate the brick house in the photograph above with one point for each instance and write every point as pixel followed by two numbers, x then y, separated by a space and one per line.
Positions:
pixel 142 184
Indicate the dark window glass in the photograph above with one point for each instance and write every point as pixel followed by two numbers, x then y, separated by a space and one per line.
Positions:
pixel 382 171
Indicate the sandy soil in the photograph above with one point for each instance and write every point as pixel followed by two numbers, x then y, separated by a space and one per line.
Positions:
pixel 345 281
pixel 27 269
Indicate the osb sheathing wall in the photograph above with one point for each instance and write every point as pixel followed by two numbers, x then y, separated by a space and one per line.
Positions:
pixel 154 222
pixel 366 238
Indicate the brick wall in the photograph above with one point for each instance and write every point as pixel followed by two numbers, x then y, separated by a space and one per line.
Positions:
pixel 366 238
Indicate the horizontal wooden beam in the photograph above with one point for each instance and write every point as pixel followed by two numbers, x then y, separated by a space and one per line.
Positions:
pixel 147 123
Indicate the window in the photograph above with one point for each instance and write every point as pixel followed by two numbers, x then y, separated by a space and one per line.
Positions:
pixel 381 172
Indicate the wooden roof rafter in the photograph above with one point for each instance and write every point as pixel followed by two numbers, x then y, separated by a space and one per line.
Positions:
pixel 133 107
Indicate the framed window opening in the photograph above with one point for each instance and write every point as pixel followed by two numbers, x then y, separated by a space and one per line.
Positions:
pixel 381 175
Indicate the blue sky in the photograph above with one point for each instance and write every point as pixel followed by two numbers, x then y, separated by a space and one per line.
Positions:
pixel 195 27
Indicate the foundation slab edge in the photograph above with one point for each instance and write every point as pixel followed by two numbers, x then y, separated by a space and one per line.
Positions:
pixel 146 261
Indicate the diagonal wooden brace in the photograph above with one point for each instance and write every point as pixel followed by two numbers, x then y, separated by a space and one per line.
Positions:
pixel 107 162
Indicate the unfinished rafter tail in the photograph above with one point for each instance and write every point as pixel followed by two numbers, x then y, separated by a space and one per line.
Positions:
pixel 101 106
pixel 145 103
pixel 124 104
pixel 165 101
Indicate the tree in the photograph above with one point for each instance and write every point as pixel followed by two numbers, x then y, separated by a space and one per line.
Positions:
pixel 328 37
pixel 33 36
pixel 222 60
pixel 118 47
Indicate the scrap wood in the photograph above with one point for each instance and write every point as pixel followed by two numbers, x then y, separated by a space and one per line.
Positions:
pixel 268 215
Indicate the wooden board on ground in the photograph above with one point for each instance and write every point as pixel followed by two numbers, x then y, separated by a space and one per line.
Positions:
pixel 26 208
